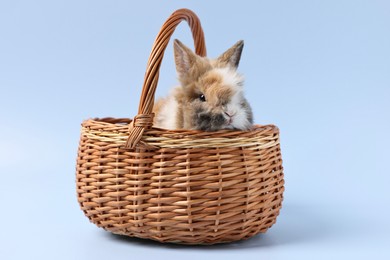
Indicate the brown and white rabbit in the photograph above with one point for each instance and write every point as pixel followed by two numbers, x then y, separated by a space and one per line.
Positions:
pixel 210 97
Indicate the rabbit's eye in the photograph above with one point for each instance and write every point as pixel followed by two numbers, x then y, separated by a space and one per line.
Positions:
pixel 202 98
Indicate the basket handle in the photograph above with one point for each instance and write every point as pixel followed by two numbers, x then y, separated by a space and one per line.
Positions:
pixel 144 119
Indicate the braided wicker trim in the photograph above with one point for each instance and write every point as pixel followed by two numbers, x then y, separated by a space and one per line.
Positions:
pixel 115 131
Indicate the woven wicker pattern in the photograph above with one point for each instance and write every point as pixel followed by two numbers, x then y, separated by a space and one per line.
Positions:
pixel 178 186
pixel 200 194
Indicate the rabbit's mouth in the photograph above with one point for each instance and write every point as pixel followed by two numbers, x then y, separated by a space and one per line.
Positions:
pixel 229 123
pixel 229 119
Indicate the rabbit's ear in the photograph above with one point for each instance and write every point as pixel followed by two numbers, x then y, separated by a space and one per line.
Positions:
pixel 232 56
pixel 184 58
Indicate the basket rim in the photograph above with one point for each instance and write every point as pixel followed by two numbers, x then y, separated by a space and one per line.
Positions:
pixel 125 122
pixel 116 131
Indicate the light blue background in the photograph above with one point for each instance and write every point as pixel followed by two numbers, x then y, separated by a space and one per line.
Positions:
pixel 320 70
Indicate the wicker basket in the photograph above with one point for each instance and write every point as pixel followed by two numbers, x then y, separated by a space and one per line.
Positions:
pixel 178 186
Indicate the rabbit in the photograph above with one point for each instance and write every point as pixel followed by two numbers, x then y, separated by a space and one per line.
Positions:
pixel 210 97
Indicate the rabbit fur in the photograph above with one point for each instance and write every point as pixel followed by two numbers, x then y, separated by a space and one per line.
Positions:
pixel 210 96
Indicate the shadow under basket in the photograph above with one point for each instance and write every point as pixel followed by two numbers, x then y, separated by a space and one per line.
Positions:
pixel 180 186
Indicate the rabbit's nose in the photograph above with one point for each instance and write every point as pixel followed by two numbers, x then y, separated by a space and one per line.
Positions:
pixel 229 114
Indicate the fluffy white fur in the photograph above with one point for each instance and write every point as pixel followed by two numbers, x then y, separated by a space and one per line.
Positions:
pixel 166 118
pixel 230 77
